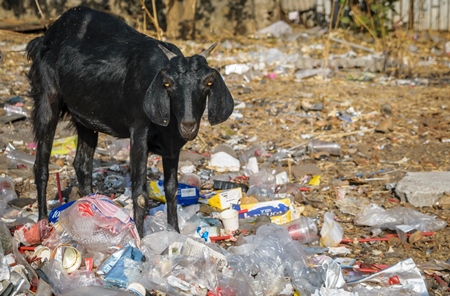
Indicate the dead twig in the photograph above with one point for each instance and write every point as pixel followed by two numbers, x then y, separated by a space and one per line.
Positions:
pixel 153 18
pixel 344 134
pixel 39 8
pixel 353 45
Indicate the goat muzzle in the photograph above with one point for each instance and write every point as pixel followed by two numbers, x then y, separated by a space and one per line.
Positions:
pixel 188 130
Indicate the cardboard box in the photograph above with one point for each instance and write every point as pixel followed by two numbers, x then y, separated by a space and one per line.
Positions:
pixel 224 199
pixel 279 210
pixel 186 195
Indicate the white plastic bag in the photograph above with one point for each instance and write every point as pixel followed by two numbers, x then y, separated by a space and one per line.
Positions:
pixel 331 231
pixel 376 216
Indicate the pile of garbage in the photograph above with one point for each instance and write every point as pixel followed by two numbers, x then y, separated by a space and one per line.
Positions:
pixel 241 234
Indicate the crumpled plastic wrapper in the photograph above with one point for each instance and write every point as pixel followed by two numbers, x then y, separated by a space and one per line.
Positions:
pixel 331 231
pixel 32 234
pixel 404 274
pixel 376 216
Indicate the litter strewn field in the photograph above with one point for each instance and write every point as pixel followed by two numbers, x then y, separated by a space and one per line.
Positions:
pixel 322 129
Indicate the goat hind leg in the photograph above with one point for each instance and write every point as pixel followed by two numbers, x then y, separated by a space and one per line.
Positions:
pixel 83 162
pixel 45 119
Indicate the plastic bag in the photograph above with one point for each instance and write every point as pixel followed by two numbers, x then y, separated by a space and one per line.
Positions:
pixel 33 233
pixel 94 290
pixel 376 216
pixel 157 242
pixel 331 231
pixel 98 225
pixel 62 282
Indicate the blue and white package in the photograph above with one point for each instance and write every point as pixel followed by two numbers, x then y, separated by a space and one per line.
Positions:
pixel 54 214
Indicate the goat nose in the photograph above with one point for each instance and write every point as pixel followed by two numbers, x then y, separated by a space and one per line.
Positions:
pixel 189 127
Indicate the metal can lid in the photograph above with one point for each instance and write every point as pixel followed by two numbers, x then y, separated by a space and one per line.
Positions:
pixel 69 257
pixel 42 252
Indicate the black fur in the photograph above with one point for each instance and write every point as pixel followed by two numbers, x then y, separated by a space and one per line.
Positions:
pixel 112 79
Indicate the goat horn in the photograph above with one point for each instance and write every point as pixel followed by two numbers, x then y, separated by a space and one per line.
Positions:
pixel 167 52
pixel 206 52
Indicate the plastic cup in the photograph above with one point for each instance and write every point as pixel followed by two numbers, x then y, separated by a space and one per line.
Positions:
pixel 230 219
pixel 7 192
pixel 190 179
pixel 303 229
pixel 324 146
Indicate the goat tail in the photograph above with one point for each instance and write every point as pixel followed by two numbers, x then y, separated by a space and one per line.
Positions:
pixel 34 47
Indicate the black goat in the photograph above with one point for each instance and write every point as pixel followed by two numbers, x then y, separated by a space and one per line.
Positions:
pixel 112 79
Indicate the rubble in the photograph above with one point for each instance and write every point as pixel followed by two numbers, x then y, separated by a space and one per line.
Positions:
pixel 423 189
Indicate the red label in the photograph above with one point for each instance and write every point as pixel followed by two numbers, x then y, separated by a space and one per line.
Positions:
pixel 394 280
pixel 89 262
pixel 85 209
pixel 295 231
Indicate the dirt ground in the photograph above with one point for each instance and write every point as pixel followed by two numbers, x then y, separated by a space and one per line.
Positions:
pixel 414 124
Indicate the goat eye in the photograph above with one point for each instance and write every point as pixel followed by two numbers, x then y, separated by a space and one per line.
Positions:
pixel 209 83
pixel 166 84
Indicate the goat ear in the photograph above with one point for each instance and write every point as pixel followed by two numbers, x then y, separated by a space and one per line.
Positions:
pixel 220 102
pixel 157 102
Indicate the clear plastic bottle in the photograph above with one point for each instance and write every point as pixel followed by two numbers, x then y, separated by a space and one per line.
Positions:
pixel 324 146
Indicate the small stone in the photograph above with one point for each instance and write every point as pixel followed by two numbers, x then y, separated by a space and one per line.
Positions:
pixel 384 126
pixel 60 162
pixel 308 105
pixel 444 202
pixel 310 211
pixel 394 241
pixel 386 109
pixel 415 237
pixel 321 155
pixel 305 169
pixel 413 48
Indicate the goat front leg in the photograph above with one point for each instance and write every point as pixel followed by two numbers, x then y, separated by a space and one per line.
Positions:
pixel 41 173
pixel 138 163
pixel 83 162
pixel 170 165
